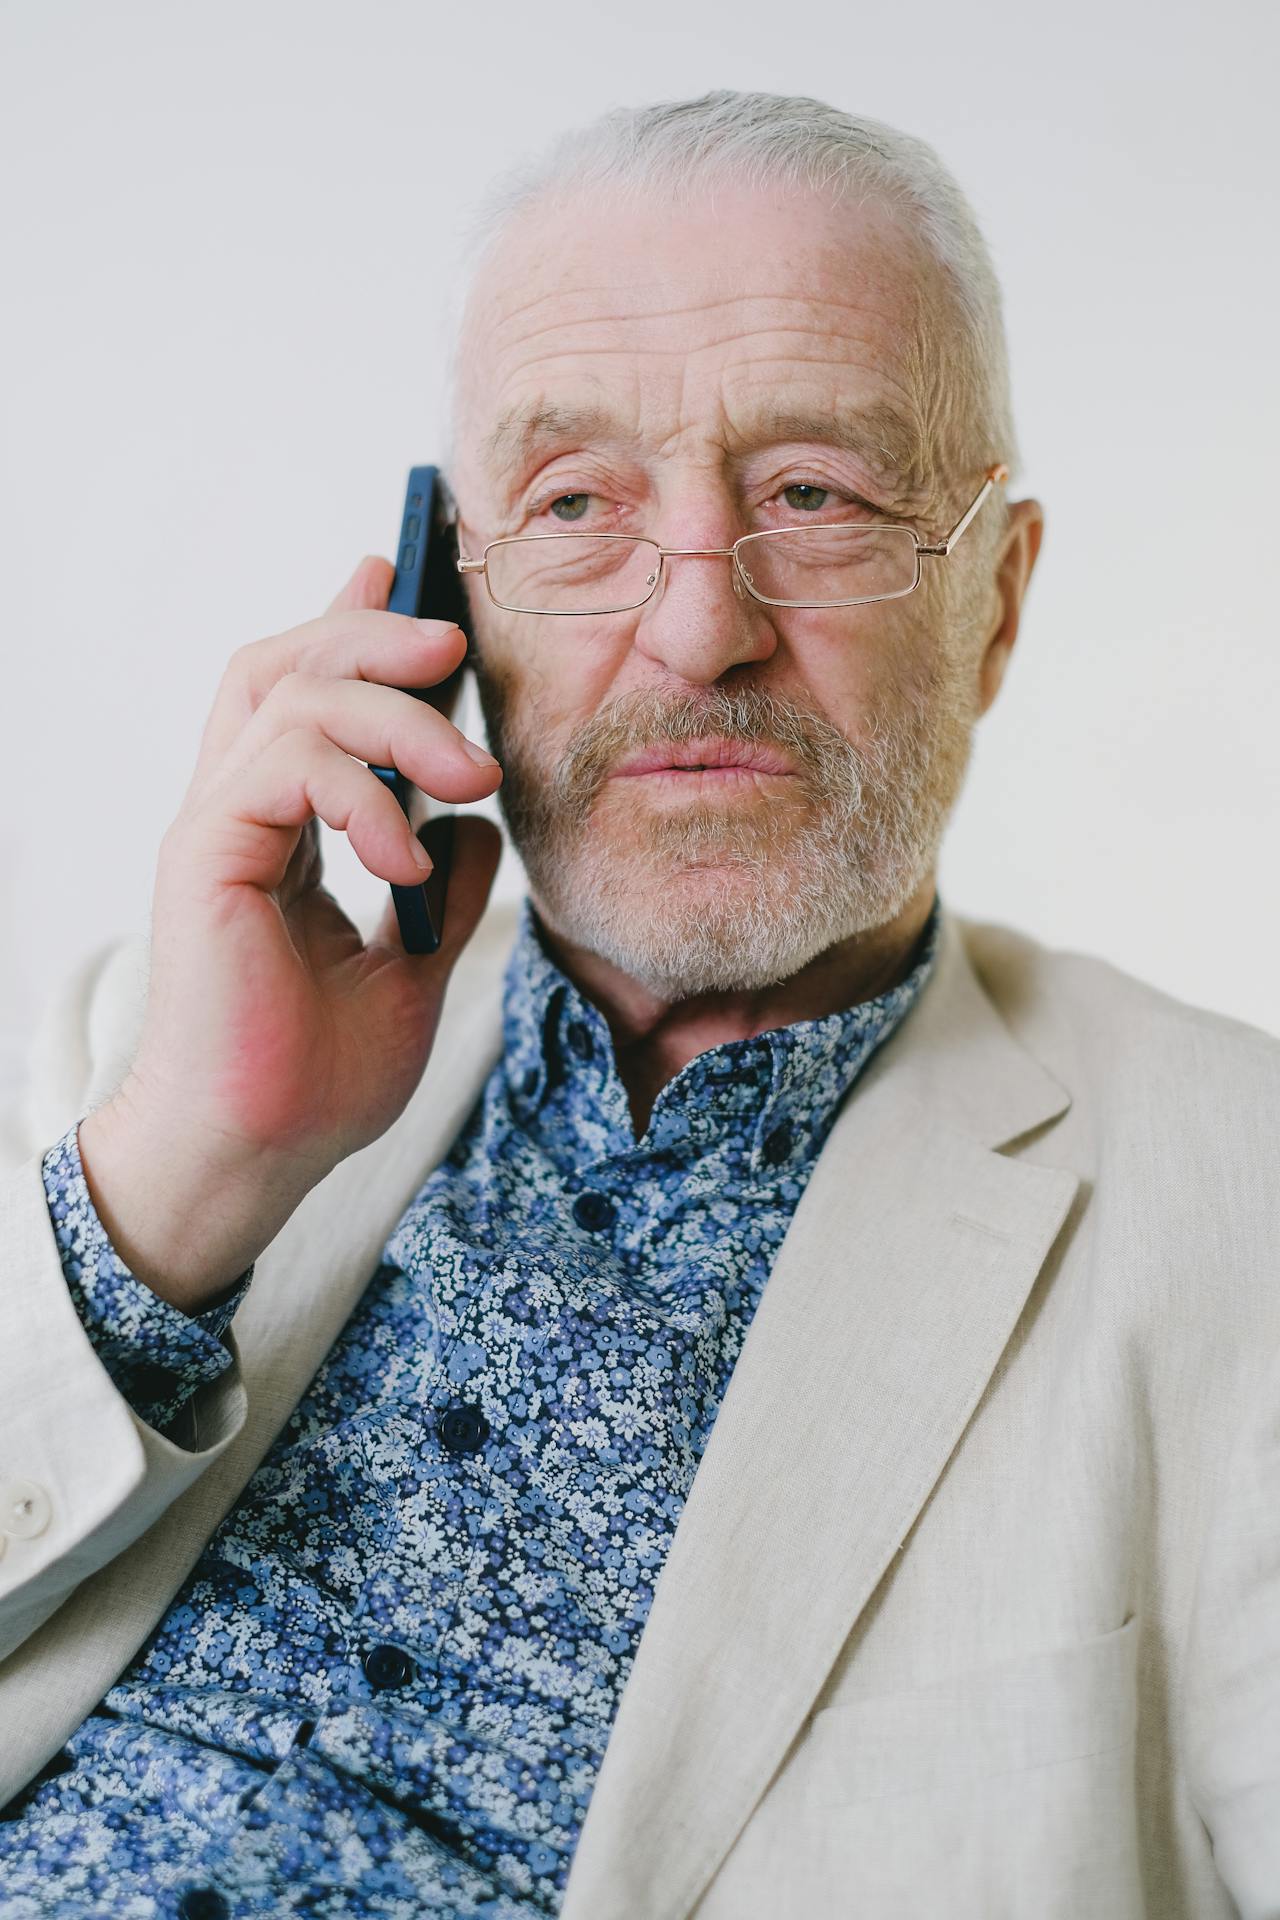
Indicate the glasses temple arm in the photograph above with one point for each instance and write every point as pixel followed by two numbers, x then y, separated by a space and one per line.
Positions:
pixel 995 476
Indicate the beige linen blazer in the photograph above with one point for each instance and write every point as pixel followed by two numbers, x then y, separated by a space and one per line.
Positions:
pixel 974 1609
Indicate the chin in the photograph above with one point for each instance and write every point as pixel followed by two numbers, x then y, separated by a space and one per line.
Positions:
pixel 717 923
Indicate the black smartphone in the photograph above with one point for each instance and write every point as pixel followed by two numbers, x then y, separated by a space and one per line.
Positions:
pixel 427 586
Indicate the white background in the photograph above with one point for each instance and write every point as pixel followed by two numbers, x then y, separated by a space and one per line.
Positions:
pixel 229 236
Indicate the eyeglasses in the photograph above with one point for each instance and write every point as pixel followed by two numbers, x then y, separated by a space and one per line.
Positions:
pixel 831 564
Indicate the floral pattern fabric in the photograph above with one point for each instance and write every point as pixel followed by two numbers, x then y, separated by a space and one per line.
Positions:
pixel 387 1686
pixel 156 1355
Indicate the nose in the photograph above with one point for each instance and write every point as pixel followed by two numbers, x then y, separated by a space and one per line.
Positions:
pixel 701 620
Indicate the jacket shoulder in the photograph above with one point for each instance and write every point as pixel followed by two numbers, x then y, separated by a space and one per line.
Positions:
pixel 1117 1038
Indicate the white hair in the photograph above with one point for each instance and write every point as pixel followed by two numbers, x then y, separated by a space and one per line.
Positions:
pixel 682 147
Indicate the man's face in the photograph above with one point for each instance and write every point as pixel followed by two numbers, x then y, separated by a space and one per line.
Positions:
pixel 693 375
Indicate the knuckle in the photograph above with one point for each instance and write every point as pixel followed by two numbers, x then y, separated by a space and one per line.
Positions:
pixel 239 670
pixel 297 746
pixel 248 660
pixel 244 654
pixel 248 673
pixel 291 690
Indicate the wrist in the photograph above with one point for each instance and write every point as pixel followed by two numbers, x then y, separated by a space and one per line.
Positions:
pixel 185 1218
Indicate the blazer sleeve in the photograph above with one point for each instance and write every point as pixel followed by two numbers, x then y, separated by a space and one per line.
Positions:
pixel 81 1475
pixel 1232 1696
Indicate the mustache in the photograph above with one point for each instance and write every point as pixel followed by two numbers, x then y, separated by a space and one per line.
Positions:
pixel 650 718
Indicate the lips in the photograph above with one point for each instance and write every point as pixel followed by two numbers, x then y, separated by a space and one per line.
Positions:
pixel 688 756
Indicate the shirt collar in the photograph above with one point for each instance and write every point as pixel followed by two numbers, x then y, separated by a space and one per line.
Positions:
pixel 783 1085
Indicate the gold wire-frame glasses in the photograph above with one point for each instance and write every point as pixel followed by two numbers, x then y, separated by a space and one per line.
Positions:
pixel 894 549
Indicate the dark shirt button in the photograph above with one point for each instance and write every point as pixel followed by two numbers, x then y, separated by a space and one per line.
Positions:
pixel 462 1429
pixel 777 1145
pixel 203 1903
pixel 580 1039
pixel 529 1085
pixel 149 1384
pixel 388 1667
pixel 595 1211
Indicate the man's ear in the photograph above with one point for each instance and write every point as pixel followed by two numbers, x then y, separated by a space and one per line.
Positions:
pixel 1014 561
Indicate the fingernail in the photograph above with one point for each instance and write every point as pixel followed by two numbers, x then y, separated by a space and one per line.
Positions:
pixel 422 857
pixel 478 754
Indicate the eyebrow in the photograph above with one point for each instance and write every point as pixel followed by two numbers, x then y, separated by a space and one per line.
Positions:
pixel 522 429
pixel 877 433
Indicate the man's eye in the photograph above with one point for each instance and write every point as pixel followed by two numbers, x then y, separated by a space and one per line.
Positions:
pixel 570 506
pixel 806 498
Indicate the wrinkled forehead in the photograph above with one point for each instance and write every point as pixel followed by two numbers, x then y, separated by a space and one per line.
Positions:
pixel 744 312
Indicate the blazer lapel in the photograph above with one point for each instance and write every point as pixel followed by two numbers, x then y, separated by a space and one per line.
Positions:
pixel 896 1290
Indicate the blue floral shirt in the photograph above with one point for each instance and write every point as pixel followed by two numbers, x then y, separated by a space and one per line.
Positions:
pixel 387 1686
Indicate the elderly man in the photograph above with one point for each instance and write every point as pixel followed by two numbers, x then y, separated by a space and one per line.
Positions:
pixel 765 1405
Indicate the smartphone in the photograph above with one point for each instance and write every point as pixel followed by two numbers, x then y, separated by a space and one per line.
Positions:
pixel 427 586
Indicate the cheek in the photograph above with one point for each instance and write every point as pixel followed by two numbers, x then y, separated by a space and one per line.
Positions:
pixel 549 674
pixel 875 665
pixel 508 657
pixel 543 688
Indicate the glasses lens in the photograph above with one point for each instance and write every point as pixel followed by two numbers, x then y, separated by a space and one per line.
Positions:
pixel 830 566
pixel 572 573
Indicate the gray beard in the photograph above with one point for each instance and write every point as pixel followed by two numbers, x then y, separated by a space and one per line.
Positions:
pixel 704 899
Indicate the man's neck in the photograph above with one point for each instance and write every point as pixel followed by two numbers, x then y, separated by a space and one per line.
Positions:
pixel 654 1039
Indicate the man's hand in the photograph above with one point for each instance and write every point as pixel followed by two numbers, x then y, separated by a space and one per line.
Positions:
pixel 274 1042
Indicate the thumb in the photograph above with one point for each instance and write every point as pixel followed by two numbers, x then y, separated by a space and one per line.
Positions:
pixel 369 586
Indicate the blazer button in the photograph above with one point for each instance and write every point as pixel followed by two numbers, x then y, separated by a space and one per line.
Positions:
pixel 462 1429
pixel 386 1667
pixel 24 1509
